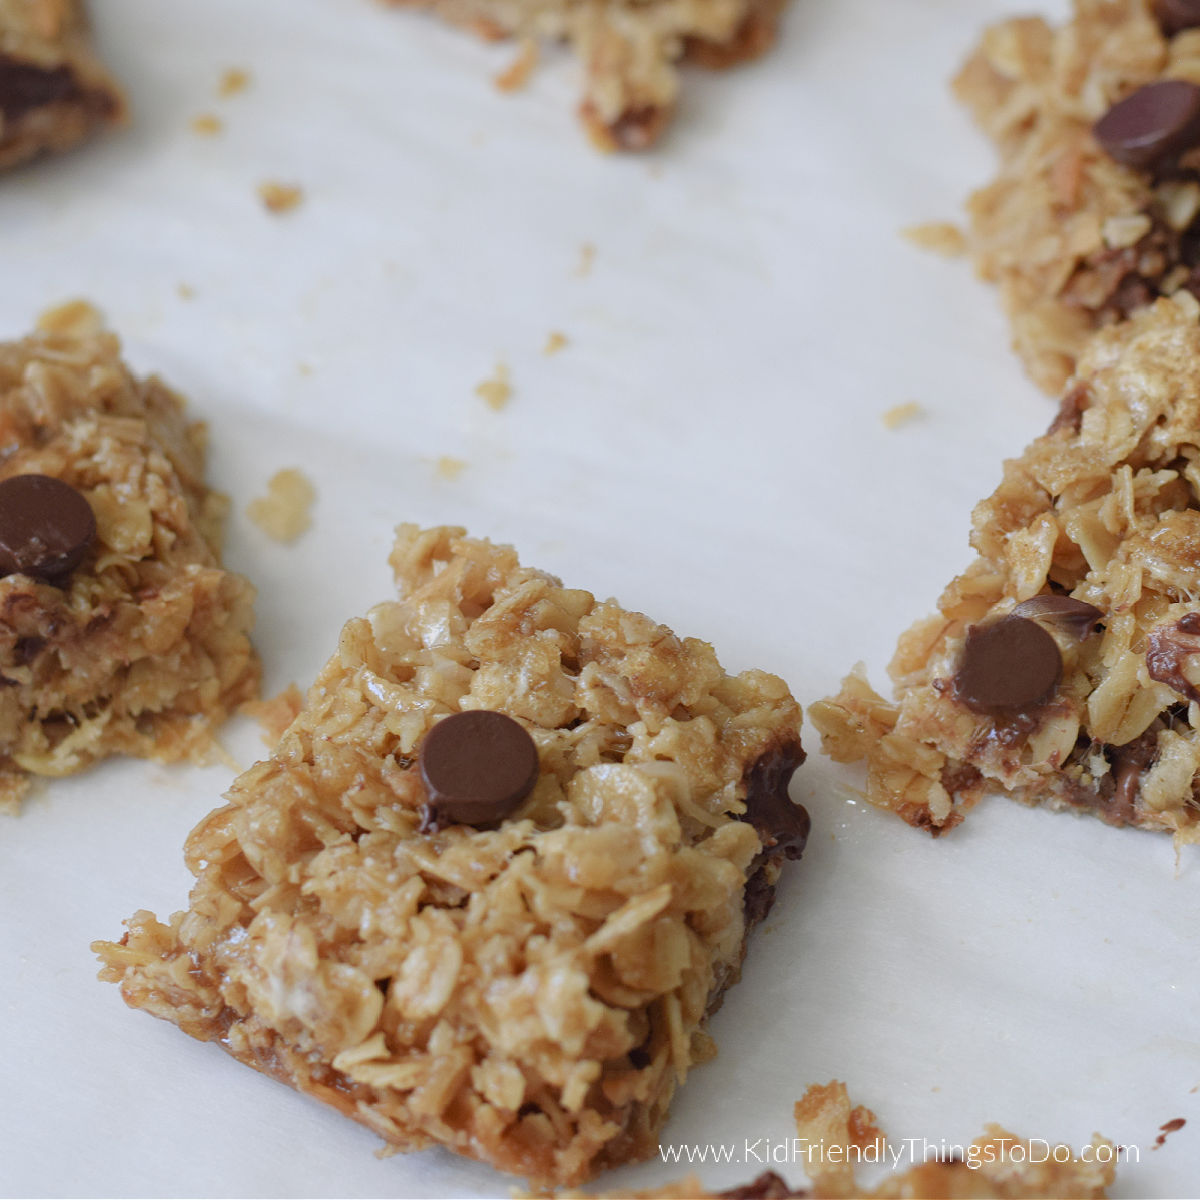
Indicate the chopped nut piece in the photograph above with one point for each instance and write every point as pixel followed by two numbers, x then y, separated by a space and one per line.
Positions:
pixel 285 512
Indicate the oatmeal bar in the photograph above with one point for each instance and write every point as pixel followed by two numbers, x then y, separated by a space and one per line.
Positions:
pixel 630 48
pixel 119 631
pixel 54 92
pixel 835 1138
pixel 496 874
pixel 1064 664
pixel 1094 210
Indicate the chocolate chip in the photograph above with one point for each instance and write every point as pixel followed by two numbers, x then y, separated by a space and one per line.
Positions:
pixel 26 649
pixel 25 86
pixel 781 825
pixel 767 1186
pixel 1151 124
pixel 1076 618
pixel 640 1058
pixel 759 897
pixel 46 527
pixel 1070 410
pixel 1177 15
pixel 1167 649
pixel 1127 786
pixel 477 767
pixel 1011 665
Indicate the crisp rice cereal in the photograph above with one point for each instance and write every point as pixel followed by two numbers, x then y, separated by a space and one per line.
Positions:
pixel 529 994
pixel 1105 508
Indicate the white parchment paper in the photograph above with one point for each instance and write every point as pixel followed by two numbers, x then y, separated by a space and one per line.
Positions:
pixel 708 448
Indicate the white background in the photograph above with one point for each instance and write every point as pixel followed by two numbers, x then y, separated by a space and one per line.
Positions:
pixel 708 449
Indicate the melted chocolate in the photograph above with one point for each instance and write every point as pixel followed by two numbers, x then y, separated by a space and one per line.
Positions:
pixel 1167 649
pixel 767 1186
pixel 1177 15
pixel 25 86
pixel 1070 410
pixel 782 826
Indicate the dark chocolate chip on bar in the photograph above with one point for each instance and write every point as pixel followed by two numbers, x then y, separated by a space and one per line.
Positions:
pixel 1006 667
pixel 46 527
pixel 1156 122
pixel 1074 617
pixel 1177 15
pixel 477 767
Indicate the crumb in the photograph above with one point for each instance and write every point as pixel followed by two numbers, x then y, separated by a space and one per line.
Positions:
pixel 304 368
pixel 1169 1127
pixel 277 713
pixel 901 414
pixel 186 291
pixel 77 318
pixel 516 75
pixel 233 81
pixel 285 512
pixel 449 468
pixel 587 257
pixel 280 197
pixel 554 342
pixel 496 392
pixel 942 237
pixel 207 125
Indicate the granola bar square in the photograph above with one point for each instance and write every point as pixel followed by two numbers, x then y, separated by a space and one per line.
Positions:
pixel 1063 665
pixel 631 49
pixel 54 91
pixel 1095 209
pixel 528 990
pixel 126 637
